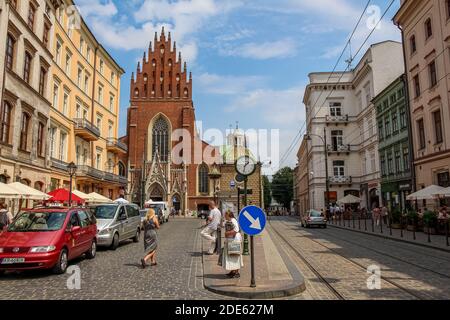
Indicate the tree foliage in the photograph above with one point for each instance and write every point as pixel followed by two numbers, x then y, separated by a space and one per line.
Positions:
pixel 283 186
pixel 267 191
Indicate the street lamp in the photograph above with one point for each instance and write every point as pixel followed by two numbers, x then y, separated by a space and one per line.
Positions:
pixel 71 169
pixel 215 175
pixel 327 182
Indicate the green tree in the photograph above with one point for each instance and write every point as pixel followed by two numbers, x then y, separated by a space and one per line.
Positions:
pixel 283 186
pixel 267 191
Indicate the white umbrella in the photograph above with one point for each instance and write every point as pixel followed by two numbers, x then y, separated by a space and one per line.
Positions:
pixel 349 199
pixel 80 194
pixel 445 193
pixel 429 193
pixel 26 192
pixel 94 197
pixel 121 200
pixel 7 192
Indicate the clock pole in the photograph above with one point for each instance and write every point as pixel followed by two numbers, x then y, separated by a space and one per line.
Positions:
pixel 245 251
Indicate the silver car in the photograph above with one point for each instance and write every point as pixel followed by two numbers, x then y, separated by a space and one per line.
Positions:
pixel 116 223
pixel 313 218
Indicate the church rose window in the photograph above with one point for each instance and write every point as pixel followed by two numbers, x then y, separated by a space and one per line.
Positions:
pixel 203 180
pixel 161 138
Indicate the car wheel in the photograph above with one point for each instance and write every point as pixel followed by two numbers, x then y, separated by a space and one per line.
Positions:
pixel 115 242
pixel 90 254
pixel 62 263
pixel 137 236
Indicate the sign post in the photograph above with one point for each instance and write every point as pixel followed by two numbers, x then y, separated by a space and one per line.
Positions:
pixel 252 221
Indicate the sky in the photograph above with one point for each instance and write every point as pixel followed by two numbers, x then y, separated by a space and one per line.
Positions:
pixel 250 59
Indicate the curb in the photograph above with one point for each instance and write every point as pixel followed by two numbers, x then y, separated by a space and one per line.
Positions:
pixel 392 238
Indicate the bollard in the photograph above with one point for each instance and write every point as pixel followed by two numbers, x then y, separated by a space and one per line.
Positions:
pixel 353 218
pixel 446 230
pixel 414 228
pixel 365 223
pixel 359 221
pixel 381 225
pixel 373 224
pixel 401 226
pixel 390 224
pixel 429 234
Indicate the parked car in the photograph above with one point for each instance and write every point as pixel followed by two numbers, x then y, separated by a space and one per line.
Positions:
pixel 48 239
pixel 117 222
pixel 161 209
pixel 203 214
pixel 313 218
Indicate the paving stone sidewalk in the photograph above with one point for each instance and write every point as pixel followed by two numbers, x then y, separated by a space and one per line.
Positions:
pixel 276 275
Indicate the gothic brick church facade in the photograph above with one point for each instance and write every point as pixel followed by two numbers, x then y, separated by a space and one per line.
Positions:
pixel 160 117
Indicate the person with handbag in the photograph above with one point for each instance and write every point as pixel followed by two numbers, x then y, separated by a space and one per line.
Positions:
pixel 232 251
pixel 151 223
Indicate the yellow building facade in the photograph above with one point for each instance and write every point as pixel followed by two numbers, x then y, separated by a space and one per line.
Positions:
pixel 84 113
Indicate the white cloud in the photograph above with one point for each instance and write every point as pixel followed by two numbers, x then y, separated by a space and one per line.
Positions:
pixel 262 51
pixel 227 85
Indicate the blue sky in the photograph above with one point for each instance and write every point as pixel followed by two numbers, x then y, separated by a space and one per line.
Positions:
pixel 250 58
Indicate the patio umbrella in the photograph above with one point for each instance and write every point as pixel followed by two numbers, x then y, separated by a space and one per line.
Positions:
pixel 445 193
pixel 26 192
pixel 121 200
pixel 94 197
pixel 62 195
pixel 7 192
pixel 429 193
pixel 349 199
pixel 80 194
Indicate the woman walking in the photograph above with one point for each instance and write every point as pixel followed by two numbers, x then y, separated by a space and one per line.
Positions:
pixel 150 238
pixel 232 252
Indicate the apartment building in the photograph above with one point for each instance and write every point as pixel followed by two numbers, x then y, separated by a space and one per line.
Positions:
pixel 84 113
pixel 341 120
pixel 425 26
pixel 301 180
pixel 25 35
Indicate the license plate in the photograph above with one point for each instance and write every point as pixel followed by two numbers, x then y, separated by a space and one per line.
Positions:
pixel 13 260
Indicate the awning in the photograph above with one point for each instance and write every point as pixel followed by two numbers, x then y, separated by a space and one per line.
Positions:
pixel 94 197
pixel 80 194
pixel 26 192
pixel 445 193
pixel 429 193
pixel 349 199
pixel 7 192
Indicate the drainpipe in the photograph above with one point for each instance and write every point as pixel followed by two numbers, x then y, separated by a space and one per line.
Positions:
pixel 92 108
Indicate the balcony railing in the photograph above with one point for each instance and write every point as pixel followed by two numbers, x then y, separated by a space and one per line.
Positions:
pixel 340 180
pixel 115 145
pixel 86 129
pixel 339 148
pixel 58 164
pixel 101 175
pixel 337 119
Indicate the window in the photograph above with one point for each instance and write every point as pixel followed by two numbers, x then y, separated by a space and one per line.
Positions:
pixel 370 125
pixel 31 15
pixel 203 179
pixel 42 81
pixel 398 168
pixel 161 139
pixel 110 129
pixel 416 86
pixel 406 165
pixel 78 154
pixel 40 139
pixel 78 110
pixel 98 161
pixel 111 103
pixel 10 46
pixel 390 163
pixel 428 29
pixel 79 77
pixel 62 146
pixel 99 122
pixel 394 122
pixel 58 52
pixel 46 35
pixel 433 74
pixel 421 132
pixel 25 123
pixel 68 60
pixel 413 44
pixel 65 104
pixel 122 171
pixel 27 67
pixel 5 122
pixel 102 65
pixel 335 109
pixel 88 54
pixel 373 161
pixel 100 94
pixel 13 3
pixel 447 7
pixel 84 219
pixel 380 130
pixel 383 165
pixel 368 94
pixel 55 96
pixel 387 124
pixel 336 139
pixel 86 84
pixel 81 46
pixel 339 168
pixel 403 119
pixel 113 77
pixel 52 134
pixel 437 127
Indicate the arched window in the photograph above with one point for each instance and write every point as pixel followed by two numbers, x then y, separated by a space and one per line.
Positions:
pixel 186 92
pixel 122 171
pixel 136 92
pixel 428 29
pixel 3 178
pixel 161 138
pixel 25 123
pixel 203 179
pixel 5 122
pixel 39 186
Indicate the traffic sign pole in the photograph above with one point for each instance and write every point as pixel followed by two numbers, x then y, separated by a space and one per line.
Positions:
pixel 252 262
pixel 245 253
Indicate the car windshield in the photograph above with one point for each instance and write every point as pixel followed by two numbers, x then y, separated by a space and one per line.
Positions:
pixel 143 213
pixel 38 222
pixel 105 212
pixel 315 214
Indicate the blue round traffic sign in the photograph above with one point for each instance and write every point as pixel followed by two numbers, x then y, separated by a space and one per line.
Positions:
pixel 252 220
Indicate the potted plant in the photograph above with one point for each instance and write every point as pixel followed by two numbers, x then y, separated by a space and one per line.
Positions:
pixel 413 220
pixel 396 219
pixel 429 222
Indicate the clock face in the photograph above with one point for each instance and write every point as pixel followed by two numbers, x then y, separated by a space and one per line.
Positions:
pixel 245 165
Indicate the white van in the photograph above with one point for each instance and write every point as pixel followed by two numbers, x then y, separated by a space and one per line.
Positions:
pixel 159 206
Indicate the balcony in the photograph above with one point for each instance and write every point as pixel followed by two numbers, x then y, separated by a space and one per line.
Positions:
pixel 337 119
pixel 58 164
pixel 86 130
pixel 340 180
pixel 342 148
pixel 116 146
pixel 87 171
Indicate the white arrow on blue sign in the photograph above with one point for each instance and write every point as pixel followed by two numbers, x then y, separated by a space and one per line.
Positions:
pixel 252 220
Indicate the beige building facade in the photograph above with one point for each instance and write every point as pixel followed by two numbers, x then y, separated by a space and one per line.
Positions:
pixel 425 29
pixel 301 179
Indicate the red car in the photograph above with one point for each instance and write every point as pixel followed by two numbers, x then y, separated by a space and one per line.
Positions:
pixel 47 239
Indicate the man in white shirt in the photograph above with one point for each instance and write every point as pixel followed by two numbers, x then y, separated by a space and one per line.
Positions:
pixel 213 222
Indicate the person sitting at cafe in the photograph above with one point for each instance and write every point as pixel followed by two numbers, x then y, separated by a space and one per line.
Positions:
pixel 443 215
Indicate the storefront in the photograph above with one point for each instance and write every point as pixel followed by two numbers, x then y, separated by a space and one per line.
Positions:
pixel 394 194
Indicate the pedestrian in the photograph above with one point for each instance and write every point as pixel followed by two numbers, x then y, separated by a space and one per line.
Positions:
pixel 6 217
pixel 376 215
pixel 384 214
pixel 151 223
pixel 332 211
pixel 232 251
pixel 213 222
